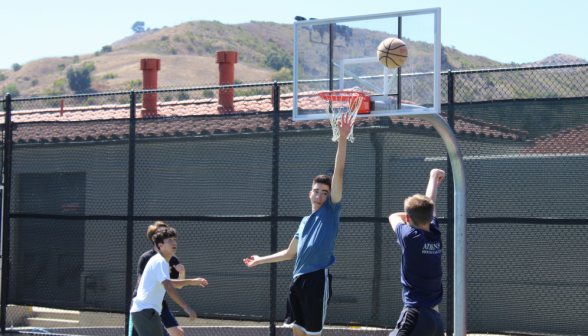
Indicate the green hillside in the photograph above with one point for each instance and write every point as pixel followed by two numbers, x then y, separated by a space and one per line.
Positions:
pixel 187 57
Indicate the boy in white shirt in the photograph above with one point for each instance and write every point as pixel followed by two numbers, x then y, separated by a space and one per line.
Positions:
pixel 155 282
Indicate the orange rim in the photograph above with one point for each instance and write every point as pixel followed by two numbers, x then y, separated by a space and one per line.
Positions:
pixel 340 95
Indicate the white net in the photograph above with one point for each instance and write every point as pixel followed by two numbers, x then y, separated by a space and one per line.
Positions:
pixel 339 103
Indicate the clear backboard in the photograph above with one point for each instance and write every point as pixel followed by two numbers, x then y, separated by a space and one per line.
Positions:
pixel 341 54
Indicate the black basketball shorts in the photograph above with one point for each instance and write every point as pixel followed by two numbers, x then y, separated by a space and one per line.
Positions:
pixel 308 299
pixel 419 321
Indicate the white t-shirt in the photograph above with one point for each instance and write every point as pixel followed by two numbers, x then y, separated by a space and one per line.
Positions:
pixel 151 291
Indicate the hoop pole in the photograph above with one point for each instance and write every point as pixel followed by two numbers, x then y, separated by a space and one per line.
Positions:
pixel 459 178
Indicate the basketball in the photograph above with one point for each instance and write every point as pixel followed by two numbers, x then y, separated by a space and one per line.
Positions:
pixel 392 52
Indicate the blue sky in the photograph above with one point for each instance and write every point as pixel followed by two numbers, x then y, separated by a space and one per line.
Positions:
pixel 503 30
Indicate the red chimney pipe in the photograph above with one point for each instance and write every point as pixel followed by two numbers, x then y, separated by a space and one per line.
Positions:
pixel 226 76
pixel 150 66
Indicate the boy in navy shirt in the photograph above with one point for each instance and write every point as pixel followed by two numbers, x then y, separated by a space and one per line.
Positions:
pixel 419 238
pixel 314 243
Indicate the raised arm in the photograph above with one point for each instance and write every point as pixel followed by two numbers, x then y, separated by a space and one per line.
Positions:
pixel 345 126
pixel 287 254
pixel 397 218
pixel 434 180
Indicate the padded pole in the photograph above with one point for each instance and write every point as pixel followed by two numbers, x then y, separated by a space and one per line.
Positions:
pixel 459 259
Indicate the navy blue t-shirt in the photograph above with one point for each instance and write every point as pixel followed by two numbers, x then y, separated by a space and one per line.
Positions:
pixel 316 236
pixel 421 265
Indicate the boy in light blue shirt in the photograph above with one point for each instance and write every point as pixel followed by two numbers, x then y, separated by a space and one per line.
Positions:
pixel 314 245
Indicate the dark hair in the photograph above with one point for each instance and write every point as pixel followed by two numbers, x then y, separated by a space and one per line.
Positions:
pixel 160 236
pixel 419 208
pixel 323 179
pixel 153 228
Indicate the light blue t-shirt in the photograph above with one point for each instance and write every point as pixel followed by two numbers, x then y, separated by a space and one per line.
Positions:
pixel 316 236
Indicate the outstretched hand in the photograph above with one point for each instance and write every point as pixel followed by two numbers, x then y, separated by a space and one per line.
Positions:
pixel 200 282
pixel 253 261
pixel 345 124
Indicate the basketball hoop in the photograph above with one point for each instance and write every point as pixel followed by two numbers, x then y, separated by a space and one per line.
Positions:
pixel 338 103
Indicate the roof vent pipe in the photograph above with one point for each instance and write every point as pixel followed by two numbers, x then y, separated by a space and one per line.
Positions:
pixel 150 66
pixel 226 76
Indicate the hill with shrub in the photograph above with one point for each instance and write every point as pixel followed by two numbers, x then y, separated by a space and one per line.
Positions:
pixel 187 59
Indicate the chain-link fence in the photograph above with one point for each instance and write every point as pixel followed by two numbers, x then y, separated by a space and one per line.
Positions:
pixel 86 174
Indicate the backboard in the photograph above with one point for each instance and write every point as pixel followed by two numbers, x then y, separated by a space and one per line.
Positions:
pixel 341 54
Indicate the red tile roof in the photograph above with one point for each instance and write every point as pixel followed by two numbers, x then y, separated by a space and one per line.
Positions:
pixel 245 121
pixel 570 141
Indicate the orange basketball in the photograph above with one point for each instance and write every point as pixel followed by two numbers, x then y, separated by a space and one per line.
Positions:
pixel 392 52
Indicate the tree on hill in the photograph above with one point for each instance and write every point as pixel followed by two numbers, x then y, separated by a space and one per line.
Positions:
pixel 79 80
pixel 12 89
pixel 277 61
pixel 138 27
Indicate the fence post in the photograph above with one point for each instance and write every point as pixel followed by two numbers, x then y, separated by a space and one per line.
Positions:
pixel 377 262
pixel 450 210
pixel 6 209
pixel 274 210
pixel 130 212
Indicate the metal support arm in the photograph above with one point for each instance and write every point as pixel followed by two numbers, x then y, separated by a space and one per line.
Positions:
pixel 459 317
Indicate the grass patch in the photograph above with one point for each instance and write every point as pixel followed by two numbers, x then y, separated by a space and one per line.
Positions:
pixel 60 83
pixel 110 76
pixel 133 84
pixel 90 66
